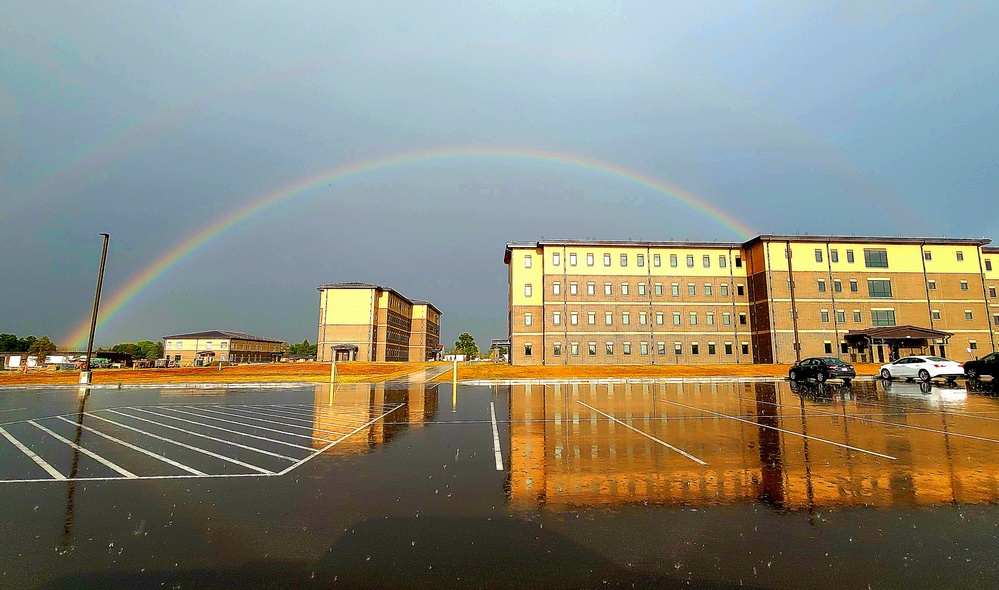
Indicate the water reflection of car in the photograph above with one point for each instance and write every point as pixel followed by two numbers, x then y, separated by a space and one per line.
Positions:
pixel 923 368
pixel 822 369
pixel 823 393
pixel 987 365
pixel 927 392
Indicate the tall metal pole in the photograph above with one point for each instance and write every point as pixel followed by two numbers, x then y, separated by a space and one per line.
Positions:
pixel 85 375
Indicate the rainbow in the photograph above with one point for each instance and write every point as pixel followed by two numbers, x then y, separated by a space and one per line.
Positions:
pixel 139 282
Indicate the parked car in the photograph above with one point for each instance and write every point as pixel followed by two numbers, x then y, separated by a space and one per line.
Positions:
pixel 923 368
pixel 822 369
pixel 987 365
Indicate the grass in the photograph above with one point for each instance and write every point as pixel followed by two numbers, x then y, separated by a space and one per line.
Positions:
pixel 491 371
pixel 353 372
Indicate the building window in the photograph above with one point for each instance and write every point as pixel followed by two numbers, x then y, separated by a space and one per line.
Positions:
pixel 557 318
pixel 574 349
pixel 695 348
pixel 675 289
pixel 837 285
pixel 927 255
pixel 740 290
pixel 745 348
pixel 875 258
pixel 964 285
pixel 693 318
pixel 727 319
pixel 960 256
pixel 818 255
pixel 968 315
pixel 591 288
pixel 643 349
pixel 834 255
pixel 709 318
pixel 607 260
pixel 825 316
pixel 677 348
pixel 609 348
pixel 641 288
pixel 625 318
pixel 690 261
pixel 728 348
pixel 659 318
pixel 659 289
pixel 973 344
pixel 556 259
pixel 879 288
pixel 691 290
pixel 656 260
pixel 624 288
pixel 673 261
pixel 608 318
pixel 931 285
pixel 591 318
pixel 854 287
pixel 706 261
pixel 573 288
pixel 992 292
pixel 676 318
pixel 661 348
pixel 724 289
pixel 738 261
pixel 849 256
pixel 882 317
pixel 643 318
pixel 527 261
pixel 828 347
pixel 556 288
pixel 557 349
pixel 936 314
pixel 822 286
pixel 640 260
pixel 624 260
pixel 742 319
pixel 608 290
pixel 988 264
pixel 707 289
pixel 591 349
pixel 626 348
pixel 722 261
pixel 527 290
pixel 841 316
pixel 574 318
pixel 856 316
pixel 572 259
pixel 528 349
pixel 589 259
pixel 528 319
pixel 995 320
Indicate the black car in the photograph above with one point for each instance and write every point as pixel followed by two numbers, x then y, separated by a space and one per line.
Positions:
pixel 822 369
pixel 987 365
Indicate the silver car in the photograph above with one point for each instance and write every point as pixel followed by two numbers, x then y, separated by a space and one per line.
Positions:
pixel 922 368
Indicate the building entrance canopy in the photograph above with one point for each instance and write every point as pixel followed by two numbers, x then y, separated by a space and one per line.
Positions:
pixel 345 352
pixel 896 338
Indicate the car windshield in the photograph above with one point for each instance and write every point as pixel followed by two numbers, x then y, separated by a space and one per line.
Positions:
pixel 938 359
pixel 832 361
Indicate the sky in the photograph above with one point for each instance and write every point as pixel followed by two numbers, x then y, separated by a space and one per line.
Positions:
pixel 153 121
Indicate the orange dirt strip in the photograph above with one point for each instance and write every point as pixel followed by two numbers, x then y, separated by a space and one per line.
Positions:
pixel 353 372
pixel 485 371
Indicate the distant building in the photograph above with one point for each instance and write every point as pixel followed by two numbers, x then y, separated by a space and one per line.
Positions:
pixel 213 346
pixel 768 300
pixel 368 322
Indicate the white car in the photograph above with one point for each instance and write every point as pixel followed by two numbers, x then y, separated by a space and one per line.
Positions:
pixel 922 368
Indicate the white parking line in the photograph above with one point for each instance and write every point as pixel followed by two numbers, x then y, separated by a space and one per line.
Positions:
pixel 31 455
pixel 497 453
pixel 254 426
pixel 285 424
pixel 791 432
pixel 86 452
pixel 649 436
pixel 339 420
pixel 180 444
pixel 204 436
pixel 264 438
pixel 133 447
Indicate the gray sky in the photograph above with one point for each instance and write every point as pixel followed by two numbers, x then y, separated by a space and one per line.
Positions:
pixel 152 120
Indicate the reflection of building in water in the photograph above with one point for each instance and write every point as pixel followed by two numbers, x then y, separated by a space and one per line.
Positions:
pixel 563 454
pixel 352 405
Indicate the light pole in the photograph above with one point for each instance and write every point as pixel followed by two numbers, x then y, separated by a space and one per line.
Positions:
pixel 85 374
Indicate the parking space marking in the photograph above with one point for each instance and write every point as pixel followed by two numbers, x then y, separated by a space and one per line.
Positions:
pixel 246 434
pixel 110 465
pixel 646 435
pixel 254 426
pixel 285 424
pixel 339 421
pixel 185 445
pixel 791 432
pixel 497 453
pixel 31 455
pixel 129 445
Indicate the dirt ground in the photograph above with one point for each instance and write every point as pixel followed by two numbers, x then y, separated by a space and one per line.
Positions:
pixel 281 372
pixel 483 371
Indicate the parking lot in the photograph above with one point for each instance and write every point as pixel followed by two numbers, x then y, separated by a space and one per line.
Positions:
pixel 714 483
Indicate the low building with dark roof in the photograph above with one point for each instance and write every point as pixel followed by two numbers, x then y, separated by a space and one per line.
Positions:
pixel 214 346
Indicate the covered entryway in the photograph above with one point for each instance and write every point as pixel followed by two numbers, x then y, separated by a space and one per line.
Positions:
pixel 344 352
pixel 882 344
pixel 204 358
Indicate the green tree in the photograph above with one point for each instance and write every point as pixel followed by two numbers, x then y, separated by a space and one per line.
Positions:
pixel 41 348
pixel 147 349
pixel 9 343
pixel 304 348
pixel 466 346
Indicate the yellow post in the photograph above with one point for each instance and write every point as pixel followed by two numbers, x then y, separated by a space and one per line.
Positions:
pixel 454 387
pixel 333 375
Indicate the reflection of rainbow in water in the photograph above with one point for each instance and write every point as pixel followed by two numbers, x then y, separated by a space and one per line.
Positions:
pixel 563 455
pixel 194 242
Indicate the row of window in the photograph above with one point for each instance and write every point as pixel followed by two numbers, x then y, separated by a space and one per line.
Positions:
pixel 882 287
pixel 625 289
pixel 624 259
pixel 643 318
pixel 643 348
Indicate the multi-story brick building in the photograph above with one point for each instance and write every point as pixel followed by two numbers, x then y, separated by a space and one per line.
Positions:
pixel 363 321
pixel 617 302
pixel 213 346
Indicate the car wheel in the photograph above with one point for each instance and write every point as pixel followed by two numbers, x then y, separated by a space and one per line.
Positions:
pixel 820 377
pixel 972 374
pixel 847 381
pixel 886 374
pixel 924 375
pixel 793 375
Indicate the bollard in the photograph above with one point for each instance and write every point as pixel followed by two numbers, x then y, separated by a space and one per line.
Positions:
pixel 454 387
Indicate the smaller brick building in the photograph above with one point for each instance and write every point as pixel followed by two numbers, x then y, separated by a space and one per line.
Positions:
pixel 213 346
